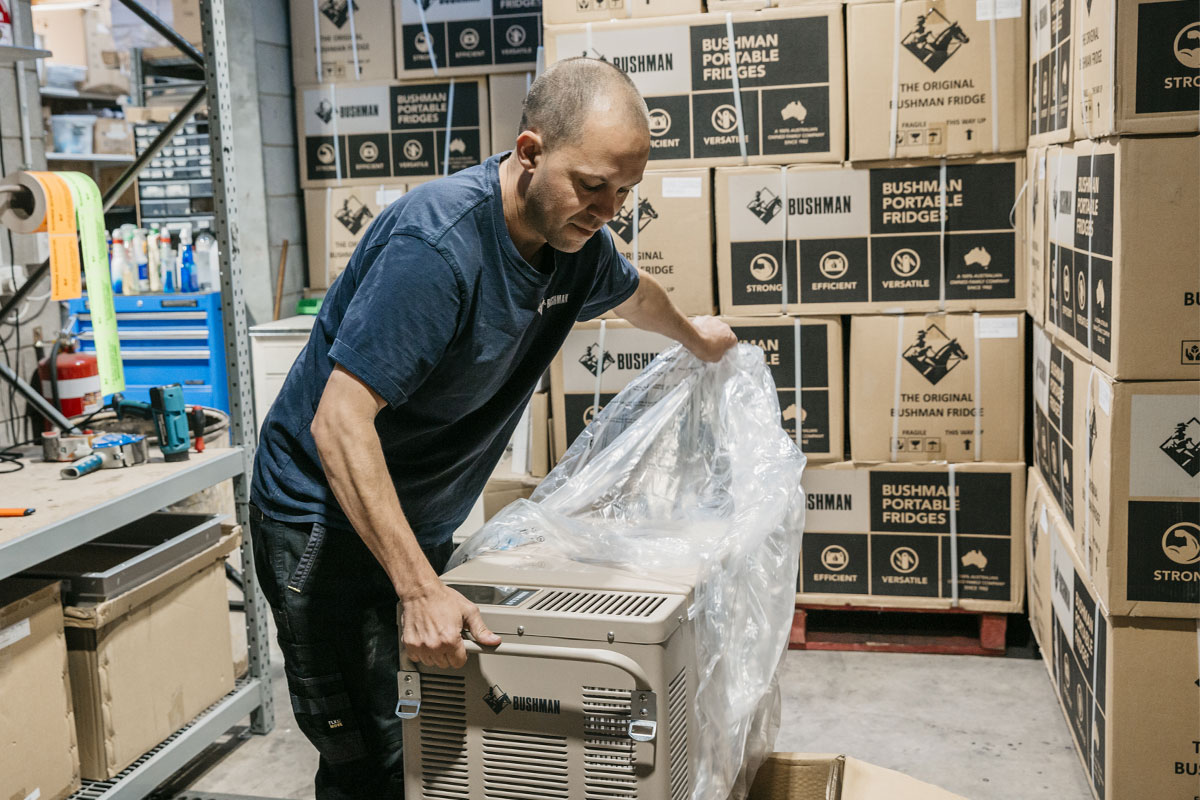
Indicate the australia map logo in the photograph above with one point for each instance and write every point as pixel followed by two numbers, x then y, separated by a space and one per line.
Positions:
pixel 1183 446
pixel 935 39
pixel 595 361
pixel 934 354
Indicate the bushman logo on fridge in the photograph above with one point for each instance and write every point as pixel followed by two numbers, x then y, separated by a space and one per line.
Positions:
pixel 1183 446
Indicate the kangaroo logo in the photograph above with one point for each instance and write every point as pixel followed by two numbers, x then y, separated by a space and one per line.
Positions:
pixel 337 11
pixel 594 361
pixel 622 223
pixel 765 205
pixel 1183 446
pixel 496 698
pixel 934 40
pixel 353 214
pixel 934 354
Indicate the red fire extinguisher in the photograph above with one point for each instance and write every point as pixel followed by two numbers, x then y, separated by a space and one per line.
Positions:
pixel 78 381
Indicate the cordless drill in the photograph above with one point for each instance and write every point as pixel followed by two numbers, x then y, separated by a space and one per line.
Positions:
pixel 174 422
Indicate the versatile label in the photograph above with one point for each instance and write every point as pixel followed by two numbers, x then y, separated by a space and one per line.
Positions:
pixel 384 132
pixel 874 235
pixel 468 33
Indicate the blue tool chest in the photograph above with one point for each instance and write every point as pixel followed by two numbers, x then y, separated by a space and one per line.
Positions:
pixel 167 338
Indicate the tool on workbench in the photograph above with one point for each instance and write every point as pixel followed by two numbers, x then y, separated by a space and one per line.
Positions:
pixel 16 512
pixel 177 425
pixel 110 451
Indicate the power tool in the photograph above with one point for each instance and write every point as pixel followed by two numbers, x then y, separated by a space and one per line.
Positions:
pixel 177 424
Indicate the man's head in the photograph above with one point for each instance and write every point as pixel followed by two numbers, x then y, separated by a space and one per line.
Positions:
pixel 583 145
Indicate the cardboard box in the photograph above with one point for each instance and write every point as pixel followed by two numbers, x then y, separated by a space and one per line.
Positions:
pixel 83 37
pixel 820 409
pixel 665 229
pixel 944 82
pixel 146 662
pixel 871 238
pixel 1130 454
pixel 583 364
pixel 1123 243
pixel 501 490
pixel 881 535
pixel 1034 209
pixel 566 12
pixel 37 723
pixel 791 67
pixel 386 132
pixel 814 776
pixel 1127 686
pixel 945 387
pixel 466 37
pixel 345 30
pixel 336 219
pixel 506 97
pixel 1039 506
pixel 1052 87
pixel 1141 76
pixel 112 136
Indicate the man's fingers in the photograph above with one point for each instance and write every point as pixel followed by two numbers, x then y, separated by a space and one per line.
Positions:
pixel 479 631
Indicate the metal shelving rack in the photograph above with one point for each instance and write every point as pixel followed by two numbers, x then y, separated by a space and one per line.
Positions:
pixel 251 695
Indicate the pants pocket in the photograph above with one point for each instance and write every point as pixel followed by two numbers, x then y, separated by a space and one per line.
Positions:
pixel 308 559
pixel 323 709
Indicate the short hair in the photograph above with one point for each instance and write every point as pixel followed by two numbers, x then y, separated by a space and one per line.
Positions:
pixel 559 100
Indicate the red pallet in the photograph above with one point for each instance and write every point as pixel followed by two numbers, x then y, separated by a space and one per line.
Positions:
pixel 988 641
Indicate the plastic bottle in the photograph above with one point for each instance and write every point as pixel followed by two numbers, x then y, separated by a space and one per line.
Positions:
pixel 141 260
pixel 153 262
pixel 166 257
pixel 116 262
pixel 208 270
pixel 187 262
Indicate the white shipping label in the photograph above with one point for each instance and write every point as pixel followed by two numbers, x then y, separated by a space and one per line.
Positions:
pixel 1164 446
pixel 682 187
pixel 837 500
pixel 998 328
pixel 410 11
pixel 385 197
pixel 1104 395
pixel 997 9
pixel 14 633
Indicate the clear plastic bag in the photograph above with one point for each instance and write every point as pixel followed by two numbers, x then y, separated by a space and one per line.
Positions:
pixel 687 470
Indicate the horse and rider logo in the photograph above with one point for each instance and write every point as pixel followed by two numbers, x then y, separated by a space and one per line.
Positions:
pixel 496 698
pixel 595 360
pixel 934 354
pixel 934 39
pixel 622 223
pixel 338 11
pixel 353 214
pixel 1183 446
pixel 765 205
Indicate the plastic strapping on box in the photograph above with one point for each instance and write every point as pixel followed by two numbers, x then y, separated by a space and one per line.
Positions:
pixel 737 87
pixel 1035 43
pixel 1093 205
pixel 637 223
pixel 1112 64
pixel 1101 611
pixel 354 42
pixel 337 140
pixel 1053 212
pixel 449 126
pixel 799 435
pixel 629 9
pixel 952 479
pixel 978 373
pixel 529 75
pixel 1062 487
pixel 328 228
pixel 896 386
pixel 317 38
pixel 783 261
pixel 894 125
pixel 587 40
pixel 1012 212
pixel 599 369
pixel 1089 410
pixel 428 39
pixel 944 210
pixel 995 80
pixel 539 65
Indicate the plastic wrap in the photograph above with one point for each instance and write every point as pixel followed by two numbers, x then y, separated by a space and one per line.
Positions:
pixel 688 471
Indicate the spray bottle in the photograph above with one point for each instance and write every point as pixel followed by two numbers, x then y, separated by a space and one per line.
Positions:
pixel 187 262
pixel 153 261
pixel 166 257
pixel 141 260
pixel 116 263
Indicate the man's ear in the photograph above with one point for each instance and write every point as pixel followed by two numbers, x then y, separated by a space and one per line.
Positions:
pixel 529 150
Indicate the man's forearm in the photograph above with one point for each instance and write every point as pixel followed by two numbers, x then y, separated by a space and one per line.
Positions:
pixel 652 310
pixel 354 465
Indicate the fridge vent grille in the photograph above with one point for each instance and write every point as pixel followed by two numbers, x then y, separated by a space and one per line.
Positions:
pixel 444 768
pixel 677 703
pixel 606 604
pixel 608 755
pixel 519 765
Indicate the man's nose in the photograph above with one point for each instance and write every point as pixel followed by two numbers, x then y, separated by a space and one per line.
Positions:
pixel 606 207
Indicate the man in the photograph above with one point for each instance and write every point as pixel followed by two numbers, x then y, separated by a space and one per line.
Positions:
pixel 425 352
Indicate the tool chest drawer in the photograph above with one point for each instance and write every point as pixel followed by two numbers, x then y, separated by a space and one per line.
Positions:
pixel 167 338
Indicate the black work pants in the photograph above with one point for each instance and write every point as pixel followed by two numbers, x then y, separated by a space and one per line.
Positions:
pixel 335 610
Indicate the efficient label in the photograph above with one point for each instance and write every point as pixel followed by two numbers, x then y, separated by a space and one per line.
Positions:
pixel 687 187
pixel 14 633
pixel 997 328
pixel 986 10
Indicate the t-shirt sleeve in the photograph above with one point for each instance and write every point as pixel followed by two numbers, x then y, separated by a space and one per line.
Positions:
pixel 402 318
pixel 615 282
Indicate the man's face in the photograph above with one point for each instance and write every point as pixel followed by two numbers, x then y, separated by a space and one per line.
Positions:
pixel 581 185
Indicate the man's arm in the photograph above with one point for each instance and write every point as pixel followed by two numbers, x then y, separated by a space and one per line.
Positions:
pixel 352 456
pixel 652 310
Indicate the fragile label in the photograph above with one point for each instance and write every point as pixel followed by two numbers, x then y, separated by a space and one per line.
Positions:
pixel 682 187
pixel 997 328
pixel 986 10
pixel 14 633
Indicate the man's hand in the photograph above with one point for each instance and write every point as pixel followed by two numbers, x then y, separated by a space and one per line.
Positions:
pixel 713 338
pixel 434 620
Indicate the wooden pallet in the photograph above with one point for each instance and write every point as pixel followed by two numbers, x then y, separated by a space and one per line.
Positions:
pixel 898 630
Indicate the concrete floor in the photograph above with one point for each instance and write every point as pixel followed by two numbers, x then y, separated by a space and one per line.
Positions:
pixel 985 728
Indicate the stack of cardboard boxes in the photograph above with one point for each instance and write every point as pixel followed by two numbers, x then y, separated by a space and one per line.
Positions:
pixel 389 95
pixel 1114 493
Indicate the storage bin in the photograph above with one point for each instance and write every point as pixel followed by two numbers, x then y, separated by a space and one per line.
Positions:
pixel 73 133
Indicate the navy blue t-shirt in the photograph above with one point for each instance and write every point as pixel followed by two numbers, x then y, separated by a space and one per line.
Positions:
pixel 438 313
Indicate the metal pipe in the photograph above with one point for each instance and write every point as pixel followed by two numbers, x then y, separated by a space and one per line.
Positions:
pixel 164 30
pixel 35 399
pixel 24 289
pixel 177 121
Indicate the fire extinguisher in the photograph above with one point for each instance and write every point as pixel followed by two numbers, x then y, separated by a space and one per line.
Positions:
pixel 74 386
